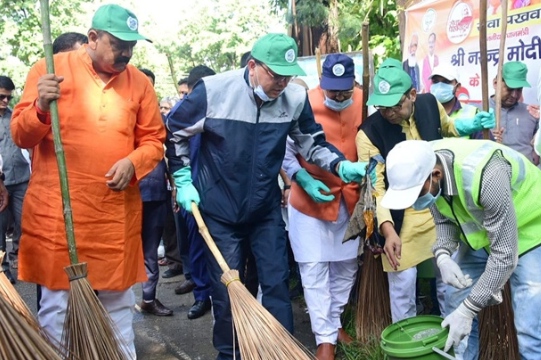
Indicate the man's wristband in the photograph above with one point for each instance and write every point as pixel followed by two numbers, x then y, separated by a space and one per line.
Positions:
pixel 286 187
pixel 3 177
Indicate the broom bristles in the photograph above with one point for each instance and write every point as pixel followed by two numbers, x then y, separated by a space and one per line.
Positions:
pixel 260 335
pixel 89 332
pixel 373 312
pixel 19 340
pixel 497 334
pixel 11 295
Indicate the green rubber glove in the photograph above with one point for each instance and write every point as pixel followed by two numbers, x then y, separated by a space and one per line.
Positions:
pixel 351 171
pixel 313 187
pixel 482 120
pixel 186 192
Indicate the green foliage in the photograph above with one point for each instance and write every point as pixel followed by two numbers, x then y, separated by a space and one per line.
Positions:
pixel 381 14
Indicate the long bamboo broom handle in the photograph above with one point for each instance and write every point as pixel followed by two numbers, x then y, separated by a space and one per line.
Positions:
pixel 318 63
pixel 58 148
pixel 501 55
pixel 366 68
pixel 204 231
pixel 483 55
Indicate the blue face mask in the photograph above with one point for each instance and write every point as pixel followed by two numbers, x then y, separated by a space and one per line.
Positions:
pixel 443 92
pixel 427 200
pixel 337 106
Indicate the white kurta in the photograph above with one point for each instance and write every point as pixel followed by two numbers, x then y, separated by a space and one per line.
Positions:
pixel 314 240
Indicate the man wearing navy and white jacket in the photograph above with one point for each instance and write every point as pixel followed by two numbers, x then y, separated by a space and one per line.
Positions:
pixel 244 117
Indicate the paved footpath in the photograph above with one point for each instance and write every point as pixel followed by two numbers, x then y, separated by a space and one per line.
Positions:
pixel 177 337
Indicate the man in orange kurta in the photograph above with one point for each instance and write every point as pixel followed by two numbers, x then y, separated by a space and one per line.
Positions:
pixel 112 134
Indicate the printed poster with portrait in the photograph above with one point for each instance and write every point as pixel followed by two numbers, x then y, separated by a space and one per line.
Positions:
pixel 447 32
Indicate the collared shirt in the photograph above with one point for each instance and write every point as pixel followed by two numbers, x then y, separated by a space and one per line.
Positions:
pixel 16 168
pixel 520 127
pixel 500 222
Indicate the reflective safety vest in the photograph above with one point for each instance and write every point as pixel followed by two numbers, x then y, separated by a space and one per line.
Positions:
pixel 470 158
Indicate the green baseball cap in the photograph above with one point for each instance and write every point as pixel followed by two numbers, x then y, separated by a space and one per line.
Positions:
pixel 390 83
pixel 279 53
pixel 514 74
pixel 390 62
pixel 117 21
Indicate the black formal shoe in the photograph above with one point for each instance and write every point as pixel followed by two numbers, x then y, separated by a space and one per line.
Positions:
pixel 186 287
pixel 198 309
pixel 10 276
pixel 169 273
pixel 155 308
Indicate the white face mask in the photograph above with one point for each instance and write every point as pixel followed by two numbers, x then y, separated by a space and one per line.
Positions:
pixel 258 90
pixel 337 105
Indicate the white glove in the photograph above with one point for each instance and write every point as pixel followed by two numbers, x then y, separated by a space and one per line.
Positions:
pixel 451 273
pixel 460 323
pixel 537 142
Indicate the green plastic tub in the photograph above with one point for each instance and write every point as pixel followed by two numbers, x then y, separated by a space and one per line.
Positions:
pixel 414 338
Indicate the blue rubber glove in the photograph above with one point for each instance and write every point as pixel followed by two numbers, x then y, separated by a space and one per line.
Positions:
pixel 186 192
pixel 352 171
pixel 313 187
pixel 482 120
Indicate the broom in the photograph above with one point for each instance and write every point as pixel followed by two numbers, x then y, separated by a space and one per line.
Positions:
pixel 373 305
pixel 88 331
pixel 20 340
pixel 11 295
pixel 260 335
pixel 497 333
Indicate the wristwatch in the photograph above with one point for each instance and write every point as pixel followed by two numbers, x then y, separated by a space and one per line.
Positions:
pixel 2 176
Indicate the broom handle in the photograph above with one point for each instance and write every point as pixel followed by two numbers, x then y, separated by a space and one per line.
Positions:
pixel 366 68
pixel 483 59
pixel 208 239
pixel 58 148
pixel 499 85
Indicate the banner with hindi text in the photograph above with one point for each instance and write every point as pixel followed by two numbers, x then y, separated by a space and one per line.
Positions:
pixel 447 32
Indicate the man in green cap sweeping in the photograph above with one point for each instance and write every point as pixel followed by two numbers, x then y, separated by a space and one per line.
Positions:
pixel 244 117
pixel 402 114
pixel 113 136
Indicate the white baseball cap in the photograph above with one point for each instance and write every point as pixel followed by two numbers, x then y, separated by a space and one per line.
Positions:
pixel 408 164
pixel 447 71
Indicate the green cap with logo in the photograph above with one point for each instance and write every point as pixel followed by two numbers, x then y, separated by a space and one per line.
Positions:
pixel 390 62
pixel 514 74
pixel 279 53
pixel 390 83
pixel 117 21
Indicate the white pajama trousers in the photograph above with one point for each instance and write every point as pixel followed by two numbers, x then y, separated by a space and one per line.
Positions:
pixel 119 304
pixel 326 291
pixel 402 290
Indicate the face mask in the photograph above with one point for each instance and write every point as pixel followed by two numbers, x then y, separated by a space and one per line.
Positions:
pixel 427 200
pixel 258 90
pixel 443 92
pixel 337 106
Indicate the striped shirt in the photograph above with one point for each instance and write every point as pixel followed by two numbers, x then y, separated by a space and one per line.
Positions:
pixel 499 221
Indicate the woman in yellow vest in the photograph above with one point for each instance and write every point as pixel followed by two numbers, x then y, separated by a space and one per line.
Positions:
pixel 486 195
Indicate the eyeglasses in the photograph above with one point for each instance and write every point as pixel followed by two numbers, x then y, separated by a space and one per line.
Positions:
pixel 395 108
pixel 3 97
pixel 275 77
pixel 165 108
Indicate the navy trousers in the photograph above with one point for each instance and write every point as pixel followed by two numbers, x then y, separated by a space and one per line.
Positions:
pixel 198 260
pixel 154 213
pixel 267 240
